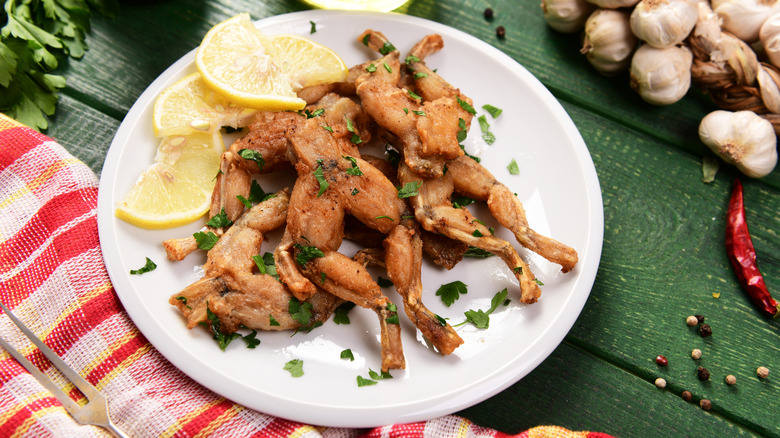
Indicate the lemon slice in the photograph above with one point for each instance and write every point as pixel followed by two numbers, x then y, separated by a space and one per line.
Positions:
pixel 307 63
pixel 190 106
pixel 239 62
pixel 176 188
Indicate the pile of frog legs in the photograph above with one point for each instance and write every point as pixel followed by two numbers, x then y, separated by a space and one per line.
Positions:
pixel 412 108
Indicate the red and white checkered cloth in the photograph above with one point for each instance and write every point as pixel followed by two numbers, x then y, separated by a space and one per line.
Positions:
pixel 53 277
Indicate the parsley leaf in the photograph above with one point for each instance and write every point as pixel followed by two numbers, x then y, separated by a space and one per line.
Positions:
pixel 409 189
pixel 462 201
pixel 347 354
pixel 183 301
pixel 377 376
pixel 149 266
pixel 362 381
pixel 311 114
pixel 371 68
pixel 475 252
pixel 306 253
pixel 257 194
pixel 513 168
pixel 295 367
pixel 383 282
pixel 485 127
pixel 205 240
pixel 354 170
pixel 465 105
pixel 251 340
pixel 451 291
pixel 266 264
pixel 481 318
pixel 223 339
pixel 386 48
pixel 321 179
pixel 301 312
pixel 463 131
pixel 220 220
pixel 249 154
pixel 341 314
pixel 313 28
pixel 495 112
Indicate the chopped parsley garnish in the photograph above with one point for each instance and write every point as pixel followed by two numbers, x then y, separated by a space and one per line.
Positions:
pixel 371 68
pixel 462 132
pixel 323 276
pixel 354 192
pixel 266 264
pixel 517 269
pixel 513 168
pixel 205 240
pixel 386 48
pixel 327 128
pixel 420 75
pixel 257 194
pixel 306 253
pixel 409 189
pixel 366 39
pixel 442 321
pixel 420 113
pixel 539 282
pixel 147 267
pixel 251 340
pixel 413 95
pixel 387 67
pixel 377 376
pixel 313 27
pixel 354 170
pixel 481 318
pixel 465 105
pixel 362 381
pixel 355 138
pixel 406 110
pixel 272 321
pixel 451 291
pixel 347 354
pixel 392 319
pixel 475 252
pixel 495 112
pixel 295 367
pixel 318 174
pixel 385 217
pixel 477 159
pixel 183 301
pixel 249 154
pixel 410 59
pixel 219 220
pixel 244 201
pixel 488 136
pixel 341 314
pixel 462 201
pixel 301 312
pixel 311 114
pixel 477 233
pixel 223 339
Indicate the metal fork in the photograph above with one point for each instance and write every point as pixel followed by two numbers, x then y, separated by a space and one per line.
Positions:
pixel 95 412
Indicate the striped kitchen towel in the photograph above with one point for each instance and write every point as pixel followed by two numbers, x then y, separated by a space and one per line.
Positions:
pixel 52 275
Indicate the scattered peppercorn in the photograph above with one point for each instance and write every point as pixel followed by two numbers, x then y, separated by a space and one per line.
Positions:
pixel 687 396
pixel 488 13
pixel 692 321
pixel 696 354
pixel 660 383
pixel 703 374
pixel 705 404
pixel 705 330
pixel 763 372
pixel 662 360
pixel 700 318
pixel 500 32
pixel 731 380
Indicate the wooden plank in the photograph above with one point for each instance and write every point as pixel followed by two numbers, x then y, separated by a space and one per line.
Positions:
pixel 579 391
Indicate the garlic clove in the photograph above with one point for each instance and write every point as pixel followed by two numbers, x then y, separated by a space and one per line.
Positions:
pixel 744 18
pixel 566 16
pixel 608 41
pixel 740 57
pixel 663 23
pixel 769 35
pixel 706 33
pixel 661 76
pixel 770 93
pixel 741 138
pixel 614 4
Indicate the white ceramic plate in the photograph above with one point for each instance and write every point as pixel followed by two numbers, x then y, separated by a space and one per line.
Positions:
pixel 557 184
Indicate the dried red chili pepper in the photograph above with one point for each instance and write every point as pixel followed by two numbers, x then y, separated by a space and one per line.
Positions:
pixel 742 254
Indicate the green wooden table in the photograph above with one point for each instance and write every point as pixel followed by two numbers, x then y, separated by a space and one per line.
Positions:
pixel 663 257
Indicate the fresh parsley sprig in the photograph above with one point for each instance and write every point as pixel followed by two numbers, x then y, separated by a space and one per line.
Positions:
pixel 35 36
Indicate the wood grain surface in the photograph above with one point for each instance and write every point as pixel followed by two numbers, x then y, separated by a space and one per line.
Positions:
pixel 663 256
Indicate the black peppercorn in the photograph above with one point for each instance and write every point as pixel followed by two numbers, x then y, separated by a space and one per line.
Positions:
pixel 700 318
pixel 500 32
pixel 687 396
pixel 705 330
pixel 488 14
pixel 703 374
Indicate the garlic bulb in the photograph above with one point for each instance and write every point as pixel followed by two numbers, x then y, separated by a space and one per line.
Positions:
pixel 744 18
pixel 661 76
pixel 741 138
pixel 769 34
pixel 566 16
pixel 608 41
pixel 663 23
pixel 614 4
